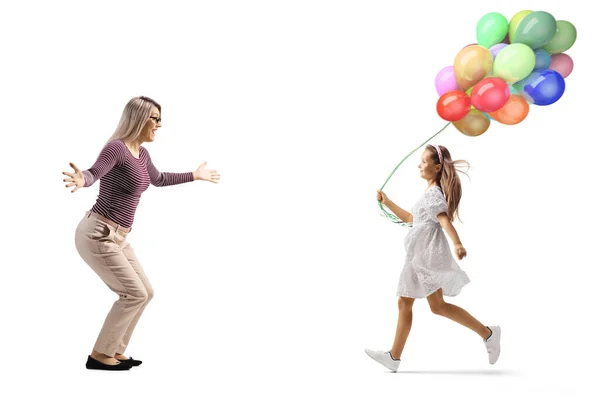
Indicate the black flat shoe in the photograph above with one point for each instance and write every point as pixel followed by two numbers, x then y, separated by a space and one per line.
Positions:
pixel 131 361
pixel 95 364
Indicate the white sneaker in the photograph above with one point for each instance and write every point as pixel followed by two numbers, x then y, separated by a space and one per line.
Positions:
pixel 384 358
pixel 493 344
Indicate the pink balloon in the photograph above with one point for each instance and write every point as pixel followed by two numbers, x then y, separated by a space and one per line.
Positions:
pixel 561 63
pixel 445 81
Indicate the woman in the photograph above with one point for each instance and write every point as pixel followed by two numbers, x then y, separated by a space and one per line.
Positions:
pixel 125 171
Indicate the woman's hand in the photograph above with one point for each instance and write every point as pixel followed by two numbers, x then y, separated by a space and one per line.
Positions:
pixel 203 174
pixel 461 252
pixel 382 198
pixel 75 178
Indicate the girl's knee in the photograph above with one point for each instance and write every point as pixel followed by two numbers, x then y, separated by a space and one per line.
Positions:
pixel 437 307
pixel 405 303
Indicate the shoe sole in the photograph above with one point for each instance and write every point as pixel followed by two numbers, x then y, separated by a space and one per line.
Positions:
pixel 107 369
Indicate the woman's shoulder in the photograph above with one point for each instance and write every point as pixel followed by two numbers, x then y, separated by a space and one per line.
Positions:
pixel 144 151
pixel 116 148
pixel 116 144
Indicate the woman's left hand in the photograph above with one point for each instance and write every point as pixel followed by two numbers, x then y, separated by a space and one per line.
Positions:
pixel 461 252
pixel 204 174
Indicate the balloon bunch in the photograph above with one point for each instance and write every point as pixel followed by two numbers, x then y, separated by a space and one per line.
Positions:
pixel 513 65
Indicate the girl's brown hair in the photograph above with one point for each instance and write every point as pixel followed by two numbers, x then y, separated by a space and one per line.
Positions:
pixel 448 178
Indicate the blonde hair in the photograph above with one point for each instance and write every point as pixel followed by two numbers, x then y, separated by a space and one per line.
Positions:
pixel 134 117
pixel 448 178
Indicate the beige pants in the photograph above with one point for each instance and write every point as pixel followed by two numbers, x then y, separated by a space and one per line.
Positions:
pixel 104 248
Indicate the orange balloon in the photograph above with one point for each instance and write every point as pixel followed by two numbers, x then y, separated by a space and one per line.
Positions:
pixel 471 65
pixel 514 111
pixel 474 124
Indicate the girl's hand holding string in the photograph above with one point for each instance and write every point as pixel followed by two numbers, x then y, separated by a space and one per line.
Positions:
pixel 382 198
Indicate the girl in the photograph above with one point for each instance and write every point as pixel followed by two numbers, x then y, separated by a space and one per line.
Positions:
pixel 430 271
pixel 125 171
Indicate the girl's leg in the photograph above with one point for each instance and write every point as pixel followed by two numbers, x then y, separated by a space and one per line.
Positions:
pixel 405 315
pixel 439 306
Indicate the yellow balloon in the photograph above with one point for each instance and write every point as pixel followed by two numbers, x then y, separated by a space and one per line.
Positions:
pixel 471 65
pixel 474 124
pixel 515 21
pixel 468 93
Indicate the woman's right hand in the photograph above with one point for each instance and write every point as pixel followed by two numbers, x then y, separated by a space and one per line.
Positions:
pixel 75 178
pixel 382 198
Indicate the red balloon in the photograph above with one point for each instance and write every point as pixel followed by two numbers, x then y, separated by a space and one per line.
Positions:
pixel 490 94
pixel 453 105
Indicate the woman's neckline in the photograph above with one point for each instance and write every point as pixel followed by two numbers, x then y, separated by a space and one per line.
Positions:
pixel 130 152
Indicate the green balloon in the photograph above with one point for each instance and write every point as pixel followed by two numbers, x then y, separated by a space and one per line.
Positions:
pixel 563 39
pixel 536 29
pixel 491 29
pixel 514 62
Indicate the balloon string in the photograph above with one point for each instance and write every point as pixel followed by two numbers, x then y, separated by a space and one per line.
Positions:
pixel 387 214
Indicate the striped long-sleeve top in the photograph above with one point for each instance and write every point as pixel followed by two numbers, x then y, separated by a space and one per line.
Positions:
pixel 123 179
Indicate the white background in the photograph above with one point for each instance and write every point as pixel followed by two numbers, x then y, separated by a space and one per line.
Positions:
pixel 272 283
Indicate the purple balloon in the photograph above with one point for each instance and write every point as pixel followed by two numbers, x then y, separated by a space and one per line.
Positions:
pixel 495 49
pixel 445 80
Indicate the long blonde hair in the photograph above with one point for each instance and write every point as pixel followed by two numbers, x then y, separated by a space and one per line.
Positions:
pixel 134 117
pixel 448 178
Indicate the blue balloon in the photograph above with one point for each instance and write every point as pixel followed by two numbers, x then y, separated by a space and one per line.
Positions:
pixel 542 59
pixel 542 87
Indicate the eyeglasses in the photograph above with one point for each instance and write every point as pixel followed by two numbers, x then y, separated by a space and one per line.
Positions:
pixel 156 119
